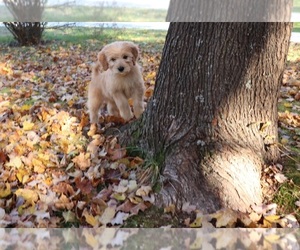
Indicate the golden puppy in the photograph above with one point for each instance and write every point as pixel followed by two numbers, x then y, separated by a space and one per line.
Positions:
pixel 116 77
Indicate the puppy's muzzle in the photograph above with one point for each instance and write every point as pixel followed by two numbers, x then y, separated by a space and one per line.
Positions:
pixel 121 69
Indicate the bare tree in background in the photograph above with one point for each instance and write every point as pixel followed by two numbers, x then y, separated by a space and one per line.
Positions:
pixel 26 33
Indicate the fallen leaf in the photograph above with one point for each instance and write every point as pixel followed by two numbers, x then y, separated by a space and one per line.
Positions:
pixel 186 207
pixel 120 218
pixel 27 125
pixel 143 191
pixel 280 177
pixel 119 197
pixel 3 157
pixel 82 161
pixel 15 161
pixel 90 219
pixel 117 152
pixel 225 218
pixel 64 203
pixel 265 209
pixel 64 188
pixel 69 216
pixel 170 209
pixel 108 215
pixel 27 194
pixel 2 213
pixel 135 210
pixel 5 191
pixel 84 185
pixel 91 239
pixel 196 223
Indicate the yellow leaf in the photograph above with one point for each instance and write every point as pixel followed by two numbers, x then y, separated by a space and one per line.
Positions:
pixel 143 191
pixel 27 194
pixel 151 74
pixel 27 209
pixel 20 174
pixel 264 126
pixel 44 157
pixel 5 191
pixel 27 125
pixel 39 167
pixel 288 105
pixel 272 238
pixel 91 239
pixel 284 141
pixel 15 161
pixel 119 197
pixel 108 215
pixel 272 218
pixel 25 107
pixel 197 244
pixel 92 220
pixel 135 200
pixel 197 222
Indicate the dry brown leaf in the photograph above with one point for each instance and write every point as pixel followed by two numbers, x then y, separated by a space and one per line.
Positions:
pixel 84 185
pixel 82 161
pixel 64 188
pixel 64 203
pixel 141 206
pixel 225 218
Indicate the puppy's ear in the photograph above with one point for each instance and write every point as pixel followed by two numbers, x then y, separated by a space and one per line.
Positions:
pixel 135 52
pixel 102 60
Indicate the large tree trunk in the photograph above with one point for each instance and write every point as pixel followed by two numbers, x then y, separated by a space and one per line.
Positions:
pixel 229 11
pixel 212 121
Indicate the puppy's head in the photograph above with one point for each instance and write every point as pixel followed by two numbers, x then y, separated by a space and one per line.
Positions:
pixel 120 57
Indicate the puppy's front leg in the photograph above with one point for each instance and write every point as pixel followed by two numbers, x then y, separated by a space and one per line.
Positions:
pixel 138 105
pixel 123 106
pixel 112 109
pixel 94 103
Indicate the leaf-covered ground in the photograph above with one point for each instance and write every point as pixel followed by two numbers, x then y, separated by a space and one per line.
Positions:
pixel 57 171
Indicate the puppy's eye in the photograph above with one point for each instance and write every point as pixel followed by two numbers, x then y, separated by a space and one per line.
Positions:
pixel 113 59
pixel 125 57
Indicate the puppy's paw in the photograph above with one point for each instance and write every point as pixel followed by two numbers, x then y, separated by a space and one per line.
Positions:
pixel 127 116
pixel 138 111
pixel 93 118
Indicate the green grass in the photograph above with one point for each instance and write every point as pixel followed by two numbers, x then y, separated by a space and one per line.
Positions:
pixel 296 5
pixel 95 36
pixel 296 27
pixel 153 217
pixel 96 14
pixel 108 14
pixel 286 197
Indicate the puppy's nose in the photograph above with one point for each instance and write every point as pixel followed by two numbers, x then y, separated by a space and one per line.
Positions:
pixel 121 68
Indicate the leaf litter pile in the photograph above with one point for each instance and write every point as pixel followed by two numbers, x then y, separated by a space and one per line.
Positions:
pixel 57 171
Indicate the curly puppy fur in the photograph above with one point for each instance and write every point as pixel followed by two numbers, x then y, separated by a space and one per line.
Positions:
pixel 116 77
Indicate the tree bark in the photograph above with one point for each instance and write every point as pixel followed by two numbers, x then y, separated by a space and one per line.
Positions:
pixel 212 121
pixel 229 11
